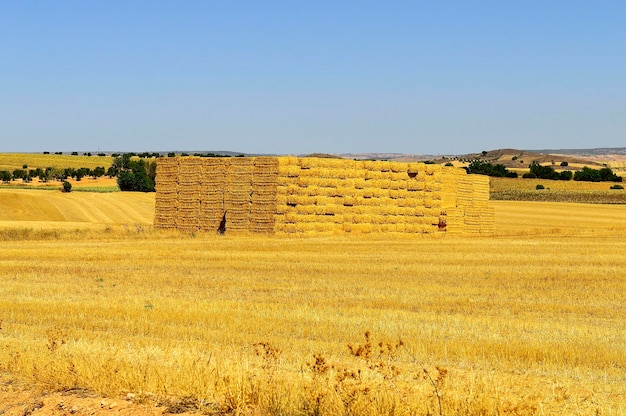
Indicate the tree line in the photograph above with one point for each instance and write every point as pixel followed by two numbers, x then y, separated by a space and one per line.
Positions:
pixel 58 174
pixel 132 174
pixel 536 170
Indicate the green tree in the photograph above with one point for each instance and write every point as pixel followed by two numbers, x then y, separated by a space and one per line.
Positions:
pixel 588 174
pixel 98 171
pixel 134 181
pixel 480 167
pixel 134 175
pixel 20 174
pixel 543 172
pixel 566 175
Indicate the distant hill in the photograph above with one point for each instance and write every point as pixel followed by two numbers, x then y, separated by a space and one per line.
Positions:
pixel 600 151
pixel 515 158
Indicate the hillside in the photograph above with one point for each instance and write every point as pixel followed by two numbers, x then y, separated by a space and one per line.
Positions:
pixel 516 158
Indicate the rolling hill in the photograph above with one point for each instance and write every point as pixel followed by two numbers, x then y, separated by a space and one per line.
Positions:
pixel 45 209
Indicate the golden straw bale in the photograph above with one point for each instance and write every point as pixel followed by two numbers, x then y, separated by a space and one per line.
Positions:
pixel 374 174
pixel 359 183
pixel 287 160
pixel 306 209
pixel 359 172
pixel 349 200
pixel 396 167
pixel 380 193
pixel 307 218
pixel 265 161
pixel 290 171
pixel 393 185
pixel 370 201
pixel 329 182
pixel 291 217
pixel 398 176
pixel 432 186
pixel 432 169
pixel 368 165
pixel 241 164
pixel 360 165
pixel 414 167
pixel 305 180
pixel 367 193
pixel 263 206
pixel 281 199
pixel 375 184
pixel 385 166
pixel 307 162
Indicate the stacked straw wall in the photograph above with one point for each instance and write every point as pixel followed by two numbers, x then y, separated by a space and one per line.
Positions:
pixel 287 195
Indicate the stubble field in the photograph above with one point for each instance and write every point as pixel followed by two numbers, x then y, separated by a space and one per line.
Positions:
pixel 530 321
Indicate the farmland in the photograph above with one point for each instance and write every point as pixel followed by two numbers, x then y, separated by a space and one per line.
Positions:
pixel 530 321
pixel 10 161
pixel 520 189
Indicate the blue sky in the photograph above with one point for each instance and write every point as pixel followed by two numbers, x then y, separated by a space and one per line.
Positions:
pixel 294 77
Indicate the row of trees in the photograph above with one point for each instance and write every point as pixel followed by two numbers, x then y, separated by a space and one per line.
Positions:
pixel 132 174
pixel 544 172
pixel 140 155
pixel 586 174
pixel 60 174
pixel 481 167
pixel 547 172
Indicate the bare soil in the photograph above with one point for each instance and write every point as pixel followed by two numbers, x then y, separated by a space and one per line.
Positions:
pixel 18 398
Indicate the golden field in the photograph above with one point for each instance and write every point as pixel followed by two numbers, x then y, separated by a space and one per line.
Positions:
pixel 11 161
pixel 508 184
pixel 531 321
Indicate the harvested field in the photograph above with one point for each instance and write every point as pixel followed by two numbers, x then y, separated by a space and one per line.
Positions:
pixel 36 209
pixel 530 321
pixel 507 189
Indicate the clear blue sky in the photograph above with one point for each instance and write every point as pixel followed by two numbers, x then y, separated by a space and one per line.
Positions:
pixel 294 77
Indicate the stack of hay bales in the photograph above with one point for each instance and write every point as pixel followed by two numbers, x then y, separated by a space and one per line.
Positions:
pixel 290 195
pixel 212 194
pixel 336 195
pixel 166 200
pixel 264 193
pixel 466 203
pixel 238 193
pixel 479 217
pixel 189 193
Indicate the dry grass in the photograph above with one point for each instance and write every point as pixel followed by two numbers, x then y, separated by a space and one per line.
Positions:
pixel 528 322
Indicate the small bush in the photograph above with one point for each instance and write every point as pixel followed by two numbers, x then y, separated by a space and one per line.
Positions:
pixel 617 187
pixel 67 187
pixel 540 186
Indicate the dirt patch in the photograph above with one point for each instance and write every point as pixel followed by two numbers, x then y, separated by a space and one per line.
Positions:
pixel 20 399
